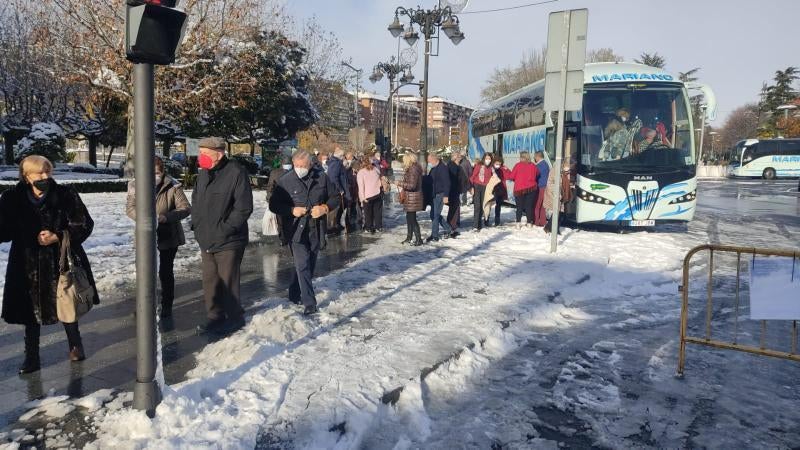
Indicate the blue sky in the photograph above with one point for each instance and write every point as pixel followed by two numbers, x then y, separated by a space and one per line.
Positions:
pixel 738 44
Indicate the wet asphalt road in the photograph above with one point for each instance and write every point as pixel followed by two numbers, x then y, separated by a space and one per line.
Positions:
pixel 109 331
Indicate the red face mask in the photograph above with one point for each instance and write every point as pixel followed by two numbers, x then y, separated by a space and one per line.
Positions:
pixel 205 162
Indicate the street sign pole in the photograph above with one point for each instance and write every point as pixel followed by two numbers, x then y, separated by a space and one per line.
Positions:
pixel 146 393
pixel 566 56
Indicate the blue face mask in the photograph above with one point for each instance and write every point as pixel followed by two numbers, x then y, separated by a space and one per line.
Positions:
pixel 430 166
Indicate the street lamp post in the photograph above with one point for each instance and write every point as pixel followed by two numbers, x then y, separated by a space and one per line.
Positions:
pixel 392 69
pixel 358 88
pixel 429 21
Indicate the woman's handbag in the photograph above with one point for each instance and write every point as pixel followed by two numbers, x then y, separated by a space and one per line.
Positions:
pixel 403 197
pixel 75 294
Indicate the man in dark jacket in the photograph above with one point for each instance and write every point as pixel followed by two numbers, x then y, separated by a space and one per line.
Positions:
pixel 440 179
pixel 221 204
pixel 338 175
pixel 458 182
pixel 274 176
pixel 466 166
pixel 303 198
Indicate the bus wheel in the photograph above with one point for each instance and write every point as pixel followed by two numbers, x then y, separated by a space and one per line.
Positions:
pixel 769 173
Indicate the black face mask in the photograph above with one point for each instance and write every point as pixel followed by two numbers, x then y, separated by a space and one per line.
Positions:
pixel 43 185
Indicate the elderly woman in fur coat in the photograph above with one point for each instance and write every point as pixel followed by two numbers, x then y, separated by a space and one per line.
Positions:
pixel 34 217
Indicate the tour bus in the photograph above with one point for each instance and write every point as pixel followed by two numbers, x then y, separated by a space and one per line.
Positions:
pixel 630 149
pixel 766 158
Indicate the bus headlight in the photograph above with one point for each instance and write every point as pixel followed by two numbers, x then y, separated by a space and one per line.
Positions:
pixel 690 197
pixel 592 197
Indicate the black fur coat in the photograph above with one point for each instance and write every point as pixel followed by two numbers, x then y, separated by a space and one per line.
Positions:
pixel 32 274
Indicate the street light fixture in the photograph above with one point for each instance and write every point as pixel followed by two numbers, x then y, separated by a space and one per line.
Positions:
pixel 358 88
pixel 396 28
pixel 430 23
pixel 392 69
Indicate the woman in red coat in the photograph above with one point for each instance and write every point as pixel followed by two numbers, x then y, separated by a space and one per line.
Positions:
pixel 524 175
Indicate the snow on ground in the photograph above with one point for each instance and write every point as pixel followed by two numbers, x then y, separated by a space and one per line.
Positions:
pixel 483 341
pixel 110 247
pixel 395 313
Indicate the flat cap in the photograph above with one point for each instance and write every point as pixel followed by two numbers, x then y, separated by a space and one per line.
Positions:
pixel 213 143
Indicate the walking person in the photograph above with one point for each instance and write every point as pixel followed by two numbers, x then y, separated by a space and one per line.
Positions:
pixel 466 166
pixel 412 198
pixel 370 194
pixel 353 216
pixel 440 179
pixel 223 201
pixel 36 216
pixel 337 173
pixel 458 185
pixel 499 190
pixel 525 176
pixel 172 207
pixel 274 176
pixel 481 175
pixel 555 182
pixel 540 215
pixel 304 197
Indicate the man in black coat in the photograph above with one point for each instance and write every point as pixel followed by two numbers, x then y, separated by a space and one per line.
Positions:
pixel 338 176
pixel 303 198
pixel 222 202
pixel 440 178
pixel 458 181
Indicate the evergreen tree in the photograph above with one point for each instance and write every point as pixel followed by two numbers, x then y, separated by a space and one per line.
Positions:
pixel 652 60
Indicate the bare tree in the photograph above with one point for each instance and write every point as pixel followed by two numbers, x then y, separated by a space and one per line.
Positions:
pixel 358 139
pixel 742 123
pixel 93 35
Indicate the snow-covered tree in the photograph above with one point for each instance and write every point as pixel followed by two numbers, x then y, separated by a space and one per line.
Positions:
pixel 45 139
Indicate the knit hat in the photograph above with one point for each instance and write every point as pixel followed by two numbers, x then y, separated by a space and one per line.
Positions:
pixel 212 143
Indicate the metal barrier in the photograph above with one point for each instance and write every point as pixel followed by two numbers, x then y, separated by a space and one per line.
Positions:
pixel 707 340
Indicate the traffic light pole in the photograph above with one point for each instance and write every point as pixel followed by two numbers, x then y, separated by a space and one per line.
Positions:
pixel 146 393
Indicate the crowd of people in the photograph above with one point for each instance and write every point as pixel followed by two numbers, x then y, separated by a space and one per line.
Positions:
pixel 312 195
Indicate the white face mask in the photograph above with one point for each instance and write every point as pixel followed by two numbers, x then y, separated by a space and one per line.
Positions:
pixel 301 171
pixel 348 163
pixel 487 162
pixel 159 179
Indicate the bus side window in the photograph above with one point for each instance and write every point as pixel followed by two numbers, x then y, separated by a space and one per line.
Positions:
pixel 790 147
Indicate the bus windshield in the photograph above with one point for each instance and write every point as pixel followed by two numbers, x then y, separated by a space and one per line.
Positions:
pixel 636 128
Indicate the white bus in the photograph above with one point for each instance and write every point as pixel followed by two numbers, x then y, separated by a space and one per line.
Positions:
pixel 766 158
pixel 631 148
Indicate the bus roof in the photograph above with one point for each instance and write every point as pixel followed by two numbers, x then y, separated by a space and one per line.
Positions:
pixel 605 72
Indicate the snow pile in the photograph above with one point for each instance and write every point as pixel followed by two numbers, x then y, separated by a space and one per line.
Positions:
pixel 399 326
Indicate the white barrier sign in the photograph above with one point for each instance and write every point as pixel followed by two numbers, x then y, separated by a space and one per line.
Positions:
pixel 775 289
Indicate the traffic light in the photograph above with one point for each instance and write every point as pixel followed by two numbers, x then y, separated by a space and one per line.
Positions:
pixel 154 29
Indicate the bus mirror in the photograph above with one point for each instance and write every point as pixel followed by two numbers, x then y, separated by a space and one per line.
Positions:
pixel 709 99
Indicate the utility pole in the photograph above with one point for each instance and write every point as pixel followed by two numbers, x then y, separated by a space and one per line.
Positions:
pixel 566 57
pixel 153 30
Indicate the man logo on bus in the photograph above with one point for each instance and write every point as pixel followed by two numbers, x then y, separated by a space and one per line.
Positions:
pixel 786 159
pixel 632 77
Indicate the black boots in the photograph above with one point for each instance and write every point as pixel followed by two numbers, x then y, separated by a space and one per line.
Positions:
pixel 32 362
